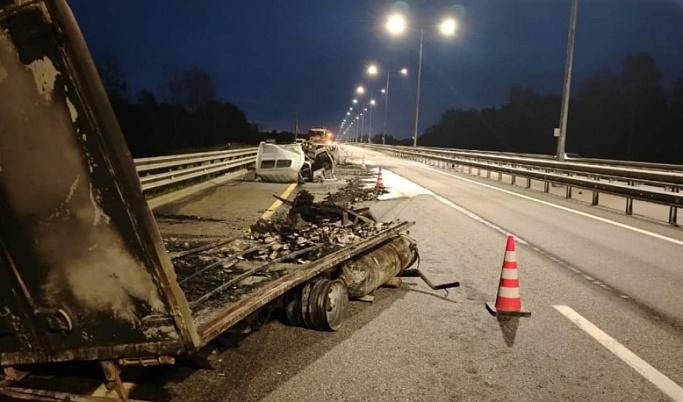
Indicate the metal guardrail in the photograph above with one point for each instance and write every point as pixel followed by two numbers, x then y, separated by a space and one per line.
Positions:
pixel 627 173
pixel 161 171
pixel 627 182
pixel 609 162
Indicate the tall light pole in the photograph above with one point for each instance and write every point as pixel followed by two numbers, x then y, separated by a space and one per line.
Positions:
pixel 417 97
pixel 361 91
pixel 396 24
pixel 371 105
pixel 403 71
pixel 567 81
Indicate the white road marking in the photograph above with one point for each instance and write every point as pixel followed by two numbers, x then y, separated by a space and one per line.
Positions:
pixel 664 383
pixel 478 218
pixel 597 218
pixel 410 189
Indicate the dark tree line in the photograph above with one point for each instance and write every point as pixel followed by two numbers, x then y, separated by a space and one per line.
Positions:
pixel 622 115
pixel 185 114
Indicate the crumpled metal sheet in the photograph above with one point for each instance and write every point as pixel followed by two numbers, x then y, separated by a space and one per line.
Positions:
pixel 82 266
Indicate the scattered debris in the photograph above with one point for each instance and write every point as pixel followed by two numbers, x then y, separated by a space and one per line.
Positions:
pixel 353 192
pixel 210 276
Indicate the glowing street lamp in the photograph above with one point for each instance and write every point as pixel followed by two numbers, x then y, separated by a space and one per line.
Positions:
pixel 448 27
pixel 395 25
pixel 372 70
pixel 404 72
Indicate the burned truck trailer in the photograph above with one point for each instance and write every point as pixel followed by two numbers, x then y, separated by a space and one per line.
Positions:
pixel 84 273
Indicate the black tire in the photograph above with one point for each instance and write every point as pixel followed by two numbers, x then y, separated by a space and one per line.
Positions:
pixel 315 309
pixel 333 300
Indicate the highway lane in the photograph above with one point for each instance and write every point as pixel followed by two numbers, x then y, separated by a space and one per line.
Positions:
pixel 418 344
pixel 432 346
pixel 633 264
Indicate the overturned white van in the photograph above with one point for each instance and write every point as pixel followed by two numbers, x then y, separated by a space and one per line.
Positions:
pixel 279 163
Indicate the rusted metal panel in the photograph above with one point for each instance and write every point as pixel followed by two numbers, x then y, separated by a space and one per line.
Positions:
pixel 371 270
pixel 83 271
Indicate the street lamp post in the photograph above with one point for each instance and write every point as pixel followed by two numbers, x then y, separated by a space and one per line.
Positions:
pixel 371 105
pixel 403 71
pixel 372 70
pixel 362 122
pixel 417 97
pixel 386 108
pixel 567 82
pixel 396 24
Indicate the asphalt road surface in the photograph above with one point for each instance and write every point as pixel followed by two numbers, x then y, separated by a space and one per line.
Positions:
pixel 605 291
pixel 584 276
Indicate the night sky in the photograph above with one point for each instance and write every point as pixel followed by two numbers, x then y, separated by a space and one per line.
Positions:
pixel 275 58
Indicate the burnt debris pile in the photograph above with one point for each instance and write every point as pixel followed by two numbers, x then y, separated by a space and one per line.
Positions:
pixel 354 191
pixel 223 272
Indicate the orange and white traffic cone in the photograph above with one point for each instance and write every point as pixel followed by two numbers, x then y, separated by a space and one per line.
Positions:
pixel 380 182
pixel 508 301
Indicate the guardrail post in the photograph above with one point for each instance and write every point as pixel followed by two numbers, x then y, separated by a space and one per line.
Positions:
pixel 514 179
pixel 596 194
pixel 568 193
pixel 528 182
pixel 673 211
pixel 546 186
pixel 488 174
pixel 629 202
pixel 469 169
pixel 500 176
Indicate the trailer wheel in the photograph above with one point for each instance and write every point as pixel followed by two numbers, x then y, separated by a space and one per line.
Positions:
pixel 333 301
pixel 316 309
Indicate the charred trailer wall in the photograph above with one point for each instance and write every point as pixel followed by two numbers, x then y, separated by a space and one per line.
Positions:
pixel 372 269
pixel 83 271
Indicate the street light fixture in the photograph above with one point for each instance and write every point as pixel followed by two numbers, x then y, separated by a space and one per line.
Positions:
pixel 372 70
pixel 448 27
pixel 396 25
pixel 403 71
pixel 360 90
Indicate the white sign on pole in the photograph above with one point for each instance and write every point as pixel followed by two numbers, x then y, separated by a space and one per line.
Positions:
pixel 556 132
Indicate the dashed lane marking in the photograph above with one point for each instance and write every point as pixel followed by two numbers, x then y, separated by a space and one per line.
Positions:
pixel 274 207
pixel 664 383
pixel 477 218
pixel 587 215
